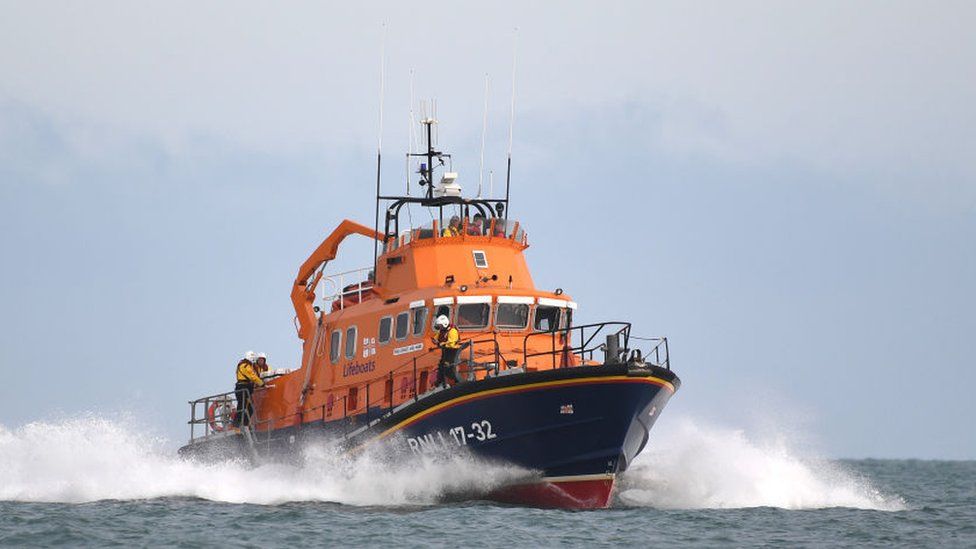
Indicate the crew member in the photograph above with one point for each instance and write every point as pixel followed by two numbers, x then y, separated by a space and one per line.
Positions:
pixel 499 227
pixel 448 341
pixel 477 225
pixel 453 228
pixel 247 379
pixel 261 366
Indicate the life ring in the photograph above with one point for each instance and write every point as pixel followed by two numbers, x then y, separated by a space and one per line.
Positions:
pixel 221 415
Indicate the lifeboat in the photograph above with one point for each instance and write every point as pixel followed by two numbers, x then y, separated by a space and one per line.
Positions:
pixel 571 402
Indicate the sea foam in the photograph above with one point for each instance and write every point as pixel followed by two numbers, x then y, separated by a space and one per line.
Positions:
pixel 687 466
pixel 90 459
pixel 690 465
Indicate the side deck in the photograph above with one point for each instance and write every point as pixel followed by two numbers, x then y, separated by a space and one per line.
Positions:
pixel 369 402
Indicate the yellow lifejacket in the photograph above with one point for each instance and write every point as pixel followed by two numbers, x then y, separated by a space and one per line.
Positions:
pixel 245 373
pixel 449 338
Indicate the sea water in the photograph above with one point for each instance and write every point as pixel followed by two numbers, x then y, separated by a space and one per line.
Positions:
pixel 93 481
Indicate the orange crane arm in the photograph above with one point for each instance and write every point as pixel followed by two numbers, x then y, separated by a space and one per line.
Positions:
pixel 303 293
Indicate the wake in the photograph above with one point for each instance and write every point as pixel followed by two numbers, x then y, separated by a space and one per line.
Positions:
pixel 686 466
pixel 92 459
pixel 697 467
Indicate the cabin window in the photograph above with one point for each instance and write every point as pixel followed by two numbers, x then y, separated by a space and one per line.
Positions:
pixel 512 316
pixel 567 319
pixel 546 318
pixel 402 325
pixel 386 324
pixel 419 320
pixel 480 259
pixel 473 316
pixel 351 342
pixel 438 311
pixel 334 346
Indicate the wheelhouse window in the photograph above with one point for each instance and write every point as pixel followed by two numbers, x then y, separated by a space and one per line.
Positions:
pixel 567 321
pixel 386 327
pixel 512 316
pixel 419 320
pixel 438 311
pixel 473 316
pixel 334 346
pixel 402 325
pixel 546 318
pixel 351 342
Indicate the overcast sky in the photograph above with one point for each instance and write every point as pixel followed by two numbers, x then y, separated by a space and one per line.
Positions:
pixel 785 189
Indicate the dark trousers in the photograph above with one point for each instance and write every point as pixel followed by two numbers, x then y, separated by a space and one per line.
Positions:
pixel 245 409
pixel 445 368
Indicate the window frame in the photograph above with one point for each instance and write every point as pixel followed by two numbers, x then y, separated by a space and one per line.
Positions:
pixel 335 351
pixel 473 328
pixel 423 322
pixel 379 331
pixel 555 326
pixel 355 341
pixel 528 316
pixel 396 325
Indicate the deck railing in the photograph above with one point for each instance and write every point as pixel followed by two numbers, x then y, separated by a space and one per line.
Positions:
pixel 373 400
pixel 338 295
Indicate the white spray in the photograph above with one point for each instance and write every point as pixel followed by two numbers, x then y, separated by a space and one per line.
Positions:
pixel 690 466
pixel 90 459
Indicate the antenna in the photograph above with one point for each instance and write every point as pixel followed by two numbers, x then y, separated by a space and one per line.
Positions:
pixel 484 130
pixel 379 149
pixel 411 133
pixel 511 124
pixel 411 141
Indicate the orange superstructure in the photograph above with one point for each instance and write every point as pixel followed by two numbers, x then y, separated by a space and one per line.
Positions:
pixel 364 342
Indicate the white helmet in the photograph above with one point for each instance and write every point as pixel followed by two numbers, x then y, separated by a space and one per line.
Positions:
pixel 442 321
pixel 262 355
pixel 250 356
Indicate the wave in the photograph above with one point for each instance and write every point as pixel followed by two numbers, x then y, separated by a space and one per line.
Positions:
pixel 91 459
pixel 694 466
pixel 687 466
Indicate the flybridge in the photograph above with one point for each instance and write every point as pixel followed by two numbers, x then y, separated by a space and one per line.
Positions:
pixel 444 197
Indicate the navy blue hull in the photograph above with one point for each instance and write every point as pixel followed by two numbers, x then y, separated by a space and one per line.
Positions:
pixel 573 423
pixel 582 426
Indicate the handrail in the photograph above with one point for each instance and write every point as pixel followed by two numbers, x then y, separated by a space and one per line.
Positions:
pixel 569 349
pixel 225 400
pixel 584 347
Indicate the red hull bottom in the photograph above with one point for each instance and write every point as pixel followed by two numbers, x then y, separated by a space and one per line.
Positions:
pixel 582 492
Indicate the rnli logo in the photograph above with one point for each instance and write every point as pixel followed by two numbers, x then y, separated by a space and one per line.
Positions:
pixel 566 409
